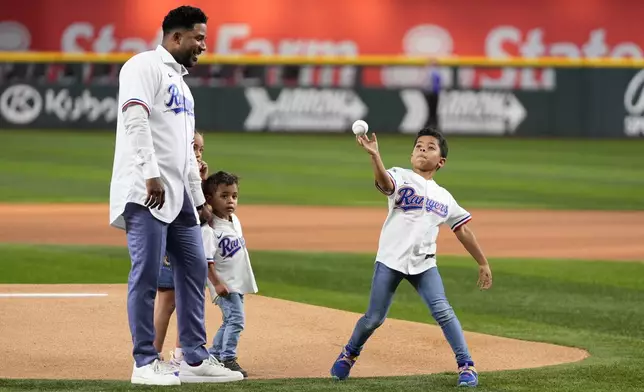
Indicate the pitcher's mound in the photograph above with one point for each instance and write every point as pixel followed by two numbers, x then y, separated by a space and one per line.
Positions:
pixel 88 338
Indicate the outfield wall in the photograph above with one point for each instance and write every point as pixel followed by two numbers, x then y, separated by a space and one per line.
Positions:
pixel 496 82
pixel 569 102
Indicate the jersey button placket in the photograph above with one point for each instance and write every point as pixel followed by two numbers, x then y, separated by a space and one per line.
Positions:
pixel 185 122
pixel 425 213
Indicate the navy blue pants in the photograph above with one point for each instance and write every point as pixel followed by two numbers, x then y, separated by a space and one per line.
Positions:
pixel 148 239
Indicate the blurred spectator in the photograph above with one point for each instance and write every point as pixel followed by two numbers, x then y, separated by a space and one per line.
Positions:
pixel 100 73
pixel 432 85
pixel 252 75
pixel 291 75
pixel 22 72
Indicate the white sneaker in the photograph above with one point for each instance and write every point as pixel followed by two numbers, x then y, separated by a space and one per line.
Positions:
pixel 155 373
pixel 210 370
pixel 174 362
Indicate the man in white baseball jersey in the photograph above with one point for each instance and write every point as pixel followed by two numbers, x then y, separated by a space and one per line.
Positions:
pixel 407 248
pixel 153 194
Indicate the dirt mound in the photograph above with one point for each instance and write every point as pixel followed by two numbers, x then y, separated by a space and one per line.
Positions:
pixel 88 338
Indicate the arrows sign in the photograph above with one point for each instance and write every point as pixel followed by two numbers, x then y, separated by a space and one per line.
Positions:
pixel 303 109
pixel 465 111
pixel 417 111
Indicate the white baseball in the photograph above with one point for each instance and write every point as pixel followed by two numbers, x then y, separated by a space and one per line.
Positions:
pixel 360 127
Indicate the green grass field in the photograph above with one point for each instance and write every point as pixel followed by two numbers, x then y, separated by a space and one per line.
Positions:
pixel 332 170
pixel 593 305
pixel 598 306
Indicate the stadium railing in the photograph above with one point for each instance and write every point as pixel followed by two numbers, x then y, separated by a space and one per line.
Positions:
pixel 364 60
pixel 279 70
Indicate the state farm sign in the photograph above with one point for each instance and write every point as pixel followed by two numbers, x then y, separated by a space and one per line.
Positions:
pixel 530 28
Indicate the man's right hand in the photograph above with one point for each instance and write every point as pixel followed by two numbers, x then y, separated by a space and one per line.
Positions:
pixel 206 215
pixel 156 193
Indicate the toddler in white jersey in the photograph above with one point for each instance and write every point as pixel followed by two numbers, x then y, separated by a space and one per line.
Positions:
pixel 229 269
pixel 407 248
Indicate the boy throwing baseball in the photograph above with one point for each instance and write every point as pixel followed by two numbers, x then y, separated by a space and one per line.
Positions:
pixel 407 248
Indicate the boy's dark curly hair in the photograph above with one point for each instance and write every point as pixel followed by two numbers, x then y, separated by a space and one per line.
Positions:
pixel 433 131
pixel 221 177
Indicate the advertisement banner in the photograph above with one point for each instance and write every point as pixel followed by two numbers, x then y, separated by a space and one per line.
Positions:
pixel 587 103
pixel 529 28
pixel 66 107
pixel 633 103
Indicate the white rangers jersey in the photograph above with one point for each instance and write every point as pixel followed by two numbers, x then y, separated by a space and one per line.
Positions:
pixel 154 80
pixel 226 248
pixel 417 207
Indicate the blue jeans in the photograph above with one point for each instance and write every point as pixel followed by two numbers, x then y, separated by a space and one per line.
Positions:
pixel 430 287
pixel 166 275
pixel 224 344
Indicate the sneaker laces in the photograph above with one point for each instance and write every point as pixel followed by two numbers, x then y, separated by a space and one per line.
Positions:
pixel 173 360
pixel 163 368
pixel 348 357
pixel 213 361
pixel 467 369
pixel 176 365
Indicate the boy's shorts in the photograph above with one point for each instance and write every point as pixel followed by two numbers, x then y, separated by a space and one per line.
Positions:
pixel 166 275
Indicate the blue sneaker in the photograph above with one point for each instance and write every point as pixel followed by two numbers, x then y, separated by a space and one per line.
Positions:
pixel 467 376
pixel 342 366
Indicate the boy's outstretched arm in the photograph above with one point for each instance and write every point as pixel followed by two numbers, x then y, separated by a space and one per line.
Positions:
pixel 383 179
pixel 466 236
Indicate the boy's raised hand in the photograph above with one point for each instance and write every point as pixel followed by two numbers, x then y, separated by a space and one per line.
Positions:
pixel 369 145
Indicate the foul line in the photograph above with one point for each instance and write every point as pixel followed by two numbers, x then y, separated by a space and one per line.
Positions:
pixel 50 295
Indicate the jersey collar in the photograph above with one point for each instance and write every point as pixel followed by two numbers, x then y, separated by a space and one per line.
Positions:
pixel 422 178
pixel 222 221
pixel 168 59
